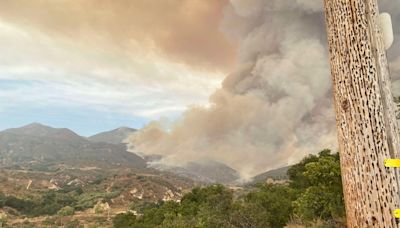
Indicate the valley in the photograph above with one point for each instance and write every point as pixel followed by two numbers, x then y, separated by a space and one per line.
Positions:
pixel 44 170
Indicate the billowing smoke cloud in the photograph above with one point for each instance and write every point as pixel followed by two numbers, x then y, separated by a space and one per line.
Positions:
pixel 169 27
pixel 274 109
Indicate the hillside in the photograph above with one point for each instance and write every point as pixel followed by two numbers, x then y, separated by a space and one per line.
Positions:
pixel 205 171
pixel 43 169
pixel 40 195
pixel 275 174
pixel 115 136
pixel 39 144
pixel 40 147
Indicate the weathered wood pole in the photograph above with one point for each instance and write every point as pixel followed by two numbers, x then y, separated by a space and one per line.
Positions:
pixel 365 115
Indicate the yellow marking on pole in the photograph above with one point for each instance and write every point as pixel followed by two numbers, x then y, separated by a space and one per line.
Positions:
pixel 396 213
pixel 392 163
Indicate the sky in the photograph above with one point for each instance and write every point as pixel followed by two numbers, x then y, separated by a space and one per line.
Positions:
pixel 94 65
pixel 241 82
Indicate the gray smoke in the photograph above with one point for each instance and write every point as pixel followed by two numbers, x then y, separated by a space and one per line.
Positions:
pixel 271 111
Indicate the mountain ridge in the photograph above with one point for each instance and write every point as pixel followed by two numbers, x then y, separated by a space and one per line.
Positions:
pixel 115 136
pixel 37 129
pixel 206 171
pixel 43 144
pixel 275 174
pixel 39 143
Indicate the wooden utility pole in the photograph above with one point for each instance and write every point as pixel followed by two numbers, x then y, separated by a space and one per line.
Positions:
pixel 365 115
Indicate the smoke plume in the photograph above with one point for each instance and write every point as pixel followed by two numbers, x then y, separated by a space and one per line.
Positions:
pixel 273 109
pixel 169 27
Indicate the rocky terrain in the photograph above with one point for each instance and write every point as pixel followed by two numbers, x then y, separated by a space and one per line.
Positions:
pixel 88 187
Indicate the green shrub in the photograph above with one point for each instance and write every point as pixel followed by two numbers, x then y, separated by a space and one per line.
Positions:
pixel 3 199
pixel 49 203
pixel 269 206
pixel 72 224
pixel 23 205
pixel 323 199
pixel 125 220
pixel 88 200
pixel 49 221
pixel 3 219
pixel 66 211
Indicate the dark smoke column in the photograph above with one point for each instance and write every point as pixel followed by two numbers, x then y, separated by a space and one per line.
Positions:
pixel 365 116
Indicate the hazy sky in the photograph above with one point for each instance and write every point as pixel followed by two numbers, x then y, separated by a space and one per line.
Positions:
pixel 93 65
pixel 243 79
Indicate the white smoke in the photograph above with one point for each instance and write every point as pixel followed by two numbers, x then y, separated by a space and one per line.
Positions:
pixel 274 109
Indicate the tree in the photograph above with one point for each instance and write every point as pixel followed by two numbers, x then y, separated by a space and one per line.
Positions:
pixel 268 206
pixel 323 198
pixel 296 173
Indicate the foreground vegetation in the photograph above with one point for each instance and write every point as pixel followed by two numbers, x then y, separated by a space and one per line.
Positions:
pixel 53 202
pixel 313 194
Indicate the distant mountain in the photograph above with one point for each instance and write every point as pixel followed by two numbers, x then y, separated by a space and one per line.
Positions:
pixel 211 171
pixel 115 136
pixel 36 143
pixel 275 174
pixel 203 171
pixel 39 130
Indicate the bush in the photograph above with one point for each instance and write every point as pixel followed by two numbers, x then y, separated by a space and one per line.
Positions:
pixel 125 220
pixel 3 219
pixel 3 199
pixel 23 205
pixel 89 200
pixel 66 211
pixel 269 206
pixel 49 221
pixel 49 203
pixel 72 224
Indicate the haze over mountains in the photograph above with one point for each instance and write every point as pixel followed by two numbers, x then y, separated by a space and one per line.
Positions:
pixel 46 146
pixel 204 171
